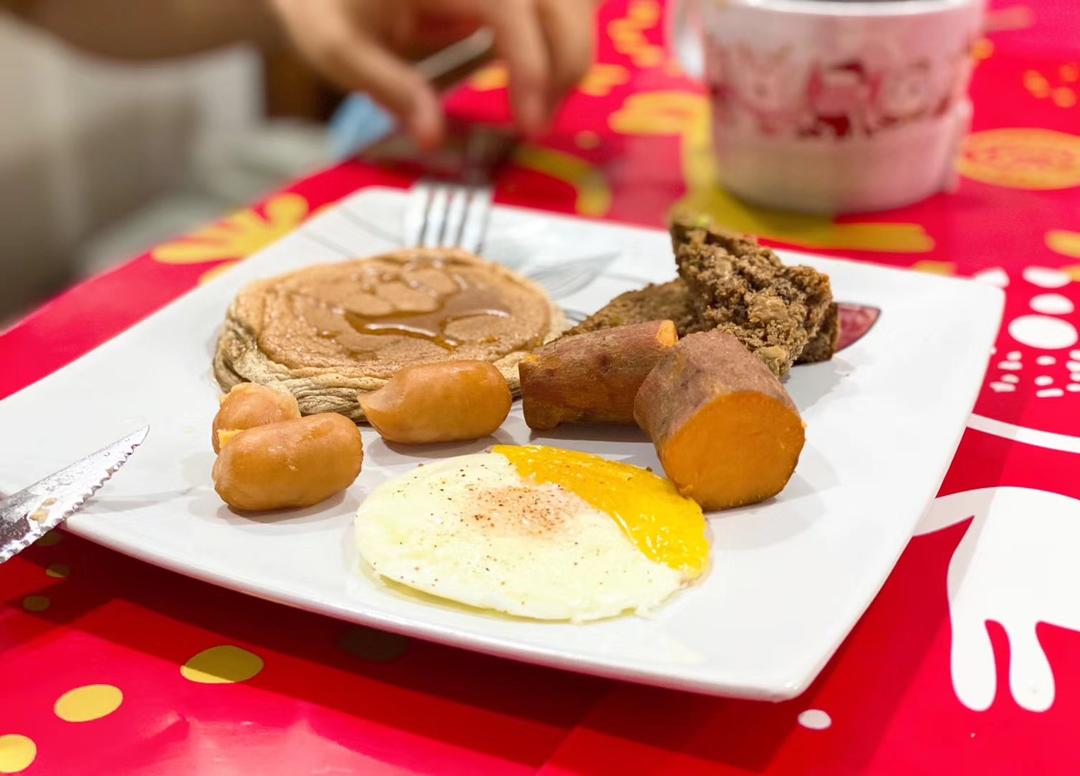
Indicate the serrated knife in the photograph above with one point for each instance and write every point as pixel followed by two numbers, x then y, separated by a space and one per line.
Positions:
pixel 28 515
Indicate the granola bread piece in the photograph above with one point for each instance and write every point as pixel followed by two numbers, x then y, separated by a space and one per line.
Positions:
pixel 655 302
pixel 730 282
pixel 742 288
pixel 687 227
pixel 822 347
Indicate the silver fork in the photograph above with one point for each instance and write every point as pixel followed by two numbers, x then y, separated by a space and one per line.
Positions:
pixel 454 212
pixel 449 215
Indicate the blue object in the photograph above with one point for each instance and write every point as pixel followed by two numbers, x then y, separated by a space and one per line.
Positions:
pixel 358 123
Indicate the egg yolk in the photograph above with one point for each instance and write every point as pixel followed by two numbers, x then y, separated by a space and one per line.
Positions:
pixel 663 525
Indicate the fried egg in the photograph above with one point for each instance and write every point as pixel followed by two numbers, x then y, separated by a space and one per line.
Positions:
pixel 536 532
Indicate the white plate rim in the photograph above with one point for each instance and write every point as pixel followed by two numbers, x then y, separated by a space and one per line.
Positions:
pixel 785 685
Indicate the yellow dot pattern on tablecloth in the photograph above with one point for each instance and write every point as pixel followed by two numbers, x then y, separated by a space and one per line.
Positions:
pixel 215 272
pixel 36 603
pixel 627 33
pixel 587 140
pixel 58 571
pixel 593 192
pixel 1020 158
pixel 982 49
pixel 239 235
pixel 17 752
pixel 224 664
pixel 85 704
pixel 935 267
pixel 1064 241
pixel 1063 97
pixel 49 539
pixel 1061 94
pixel 602 78
pixel 1036 83
pixel 374 645
pixel 490 78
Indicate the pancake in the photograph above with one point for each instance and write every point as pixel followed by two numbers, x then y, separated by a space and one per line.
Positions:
pixel 327 331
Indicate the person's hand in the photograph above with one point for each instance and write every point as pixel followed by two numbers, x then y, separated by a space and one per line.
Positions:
pixel 364 45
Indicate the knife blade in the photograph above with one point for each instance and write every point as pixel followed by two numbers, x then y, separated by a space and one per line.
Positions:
pixel 28 515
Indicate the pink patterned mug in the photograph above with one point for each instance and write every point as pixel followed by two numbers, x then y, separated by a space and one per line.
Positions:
pixel 832 106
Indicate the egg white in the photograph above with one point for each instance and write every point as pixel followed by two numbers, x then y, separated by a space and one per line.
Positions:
pixel 471 529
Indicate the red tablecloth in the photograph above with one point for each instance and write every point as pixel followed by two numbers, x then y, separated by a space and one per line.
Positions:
pixel 968 661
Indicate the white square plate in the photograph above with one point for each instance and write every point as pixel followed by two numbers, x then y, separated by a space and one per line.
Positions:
pixel 789 577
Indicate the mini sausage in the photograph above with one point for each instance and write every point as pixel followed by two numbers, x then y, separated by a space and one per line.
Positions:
pixel 248 405
pixel 448 401
pixel 289 464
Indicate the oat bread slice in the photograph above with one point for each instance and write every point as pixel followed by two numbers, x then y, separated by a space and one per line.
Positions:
pixel 655 302
pixel 671 301
pixel 730 282
pixel 744 289
pixel 822 347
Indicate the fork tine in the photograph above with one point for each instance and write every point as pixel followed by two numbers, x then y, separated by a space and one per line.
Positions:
pixel 478 161
pixel 435 217
pixel 448 215
pixel 456 212
pixel 414 218
pixel 475 225
pixel 458 234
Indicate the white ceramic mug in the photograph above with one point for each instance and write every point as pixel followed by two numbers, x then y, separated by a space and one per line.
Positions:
pixel 832 106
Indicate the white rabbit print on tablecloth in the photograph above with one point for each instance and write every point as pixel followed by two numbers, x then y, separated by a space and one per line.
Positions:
pixel 1016 566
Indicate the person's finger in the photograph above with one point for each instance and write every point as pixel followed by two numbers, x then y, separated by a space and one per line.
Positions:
pixel 430 32
pixel 569 29
pixel 359 63
pixel 520 42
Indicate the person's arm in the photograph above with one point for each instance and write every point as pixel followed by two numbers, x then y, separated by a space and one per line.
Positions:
pixel 151 29
pixel 361 45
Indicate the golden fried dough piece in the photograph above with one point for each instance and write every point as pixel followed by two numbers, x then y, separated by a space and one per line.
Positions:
pixel 450 401
pixel 248 405
pixel 289 464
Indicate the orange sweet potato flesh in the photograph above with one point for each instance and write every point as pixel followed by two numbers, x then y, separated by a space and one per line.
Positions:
pixel 726 431
pixel 591 377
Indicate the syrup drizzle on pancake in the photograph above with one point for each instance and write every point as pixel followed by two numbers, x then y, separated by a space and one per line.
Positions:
pixel 467 302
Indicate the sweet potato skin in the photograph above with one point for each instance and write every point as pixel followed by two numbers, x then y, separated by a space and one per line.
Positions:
pixel 591 377
pixel 708 378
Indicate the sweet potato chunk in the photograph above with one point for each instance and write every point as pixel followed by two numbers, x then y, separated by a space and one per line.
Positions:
pixel 591 377
pixel 726 431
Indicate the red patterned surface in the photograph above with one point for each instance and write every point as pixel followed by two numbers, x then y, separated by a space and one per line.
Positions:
pixel 322 696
